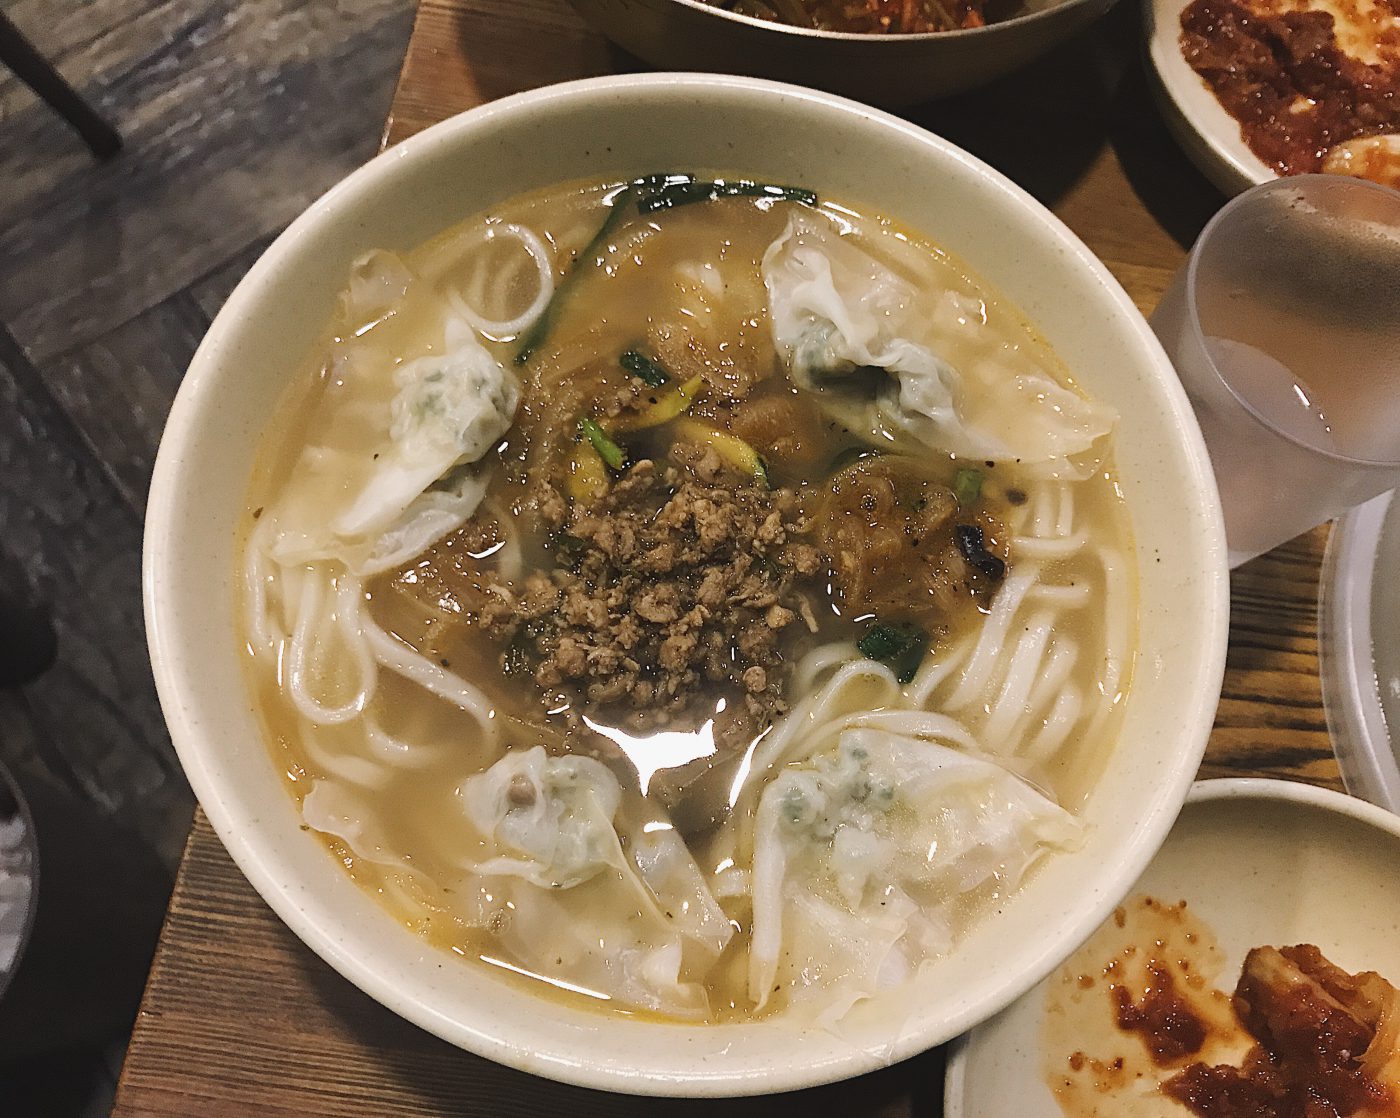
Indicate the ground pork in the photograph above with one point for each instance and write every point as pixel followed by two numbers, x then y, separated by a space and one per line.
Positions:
pixel 674 589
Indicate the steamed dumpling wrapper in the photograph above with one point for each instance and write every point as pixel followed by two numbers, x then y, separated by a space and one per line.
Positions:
pixel 562 895
pixel 864 856
pixel 428 425
pixel 838 314
pixel 450 409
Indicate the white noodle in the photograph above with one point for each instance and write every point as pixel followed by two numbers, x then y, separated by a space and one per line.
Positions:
pixel 1117 624
pixel 935 669
pixel 1047 547
pixel 1063 715
pixel 1040 510
pixel 304 645
pixel 1115 619
pixel 505 328
pixel 291 581
pixel 818 662
pixel 258 579
pixel 396 751
pixel 809 719
pixel 1064 524
pixel 1025 662
pixel 1055 670
pixel 394 654
pixel 1062 597
pixel 509 559
pixel 359 771
pixel 923 724
pixel 978 675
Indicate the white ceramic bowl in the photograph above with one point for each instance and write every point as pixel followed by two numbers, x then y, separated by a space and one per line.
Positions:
pixel 882 69
pixel 619 127
pixel 1259 862
pixel 1208 134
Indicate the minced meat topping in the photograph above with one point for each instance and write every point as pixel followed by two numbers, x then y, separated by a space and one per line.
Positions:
pixel 666 581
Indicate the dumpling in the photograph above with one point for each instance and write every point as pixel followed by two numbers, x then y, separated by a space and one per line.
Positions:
pixel 450 409
pixel 562 895
pixel 423 476
pixel 550 819
pixel 838 315
pixel 864 856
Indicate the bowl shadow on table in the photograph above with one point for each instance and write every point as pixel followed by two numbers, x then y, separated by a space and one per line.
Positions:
pixel 1168 183
pixel 447 1081
pixel 1046 125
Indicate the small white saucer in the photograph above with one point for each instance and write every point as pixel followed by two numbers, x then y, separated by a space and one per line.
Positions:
pixel 1359 648
pixel 1207 133
pixel 1260 862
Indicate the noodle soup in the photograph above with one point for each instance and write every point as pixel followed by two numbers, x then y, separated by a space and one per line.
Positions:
pixel 701 598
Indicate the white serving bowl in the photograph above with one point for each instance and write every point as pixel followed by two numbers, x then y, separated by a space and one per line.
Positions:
pixel 616 128
pixel 890 70
pixel 1208 134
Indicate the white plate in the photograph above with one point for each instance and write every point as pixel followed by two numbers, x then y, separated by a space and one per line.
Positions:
pixel 1260 862
pixel 1208 134
pixel 1359 614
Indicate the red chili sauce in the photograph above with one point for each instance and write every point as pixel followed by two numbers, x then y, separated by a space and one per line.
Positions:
pixel 1166 1022
pixel 1307 1061
pixel 1295 92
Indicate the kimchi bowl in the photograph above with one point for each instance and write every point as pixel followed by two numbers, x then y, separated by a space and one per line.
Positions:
pixel 745 142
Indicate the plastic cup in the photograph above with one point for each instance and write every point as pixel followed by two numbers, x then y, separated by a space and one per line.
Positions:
pixel 1284 326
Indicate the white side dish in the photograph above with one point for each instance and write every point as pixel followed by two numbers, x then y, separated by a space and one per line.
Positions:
pixel 1259 862
pixel 1200 124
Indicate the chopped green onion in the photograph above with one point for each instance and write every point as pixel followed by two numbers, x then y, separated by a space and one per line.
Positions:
pixel 967 486
pixel 906 665
pixel 644 368
pixel 612 454
pixel 882 642
pixel 665 407
pixel 902 646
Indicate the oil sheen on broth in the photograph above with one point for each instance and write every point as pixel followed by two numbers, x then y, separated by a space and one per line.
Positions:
pixel 705 599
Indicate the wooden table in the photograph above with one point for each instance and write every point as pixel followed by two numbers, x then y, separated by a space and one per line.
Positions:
pixel 239 1018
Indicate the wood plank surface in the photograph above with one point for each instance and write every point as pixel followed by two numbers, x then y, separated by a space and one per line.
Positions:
pixel 235 113
pixel 240 1018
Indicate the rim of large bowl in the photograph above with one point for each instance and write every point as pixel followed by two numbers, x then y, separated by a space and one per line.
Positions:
pixel 254 852
pixel 818 35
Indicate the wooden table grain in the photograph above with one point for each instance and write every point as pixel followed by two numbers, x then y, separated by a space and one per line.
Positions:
pixel 239 1018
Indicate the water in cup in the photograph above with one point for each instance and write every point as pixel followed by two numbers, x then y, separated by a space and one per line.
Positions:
pixel 1284 327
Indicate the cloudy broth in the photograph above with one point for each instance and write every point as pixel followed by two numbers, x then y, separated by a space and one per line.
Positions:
pixel 995 593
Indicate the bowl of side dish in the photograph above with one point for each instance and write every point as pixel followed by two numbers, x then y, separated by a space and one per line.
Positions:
pixel 1324 101
pixel 1262 960
pixel 260 638
pixel 892 69
pixel 1208 134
